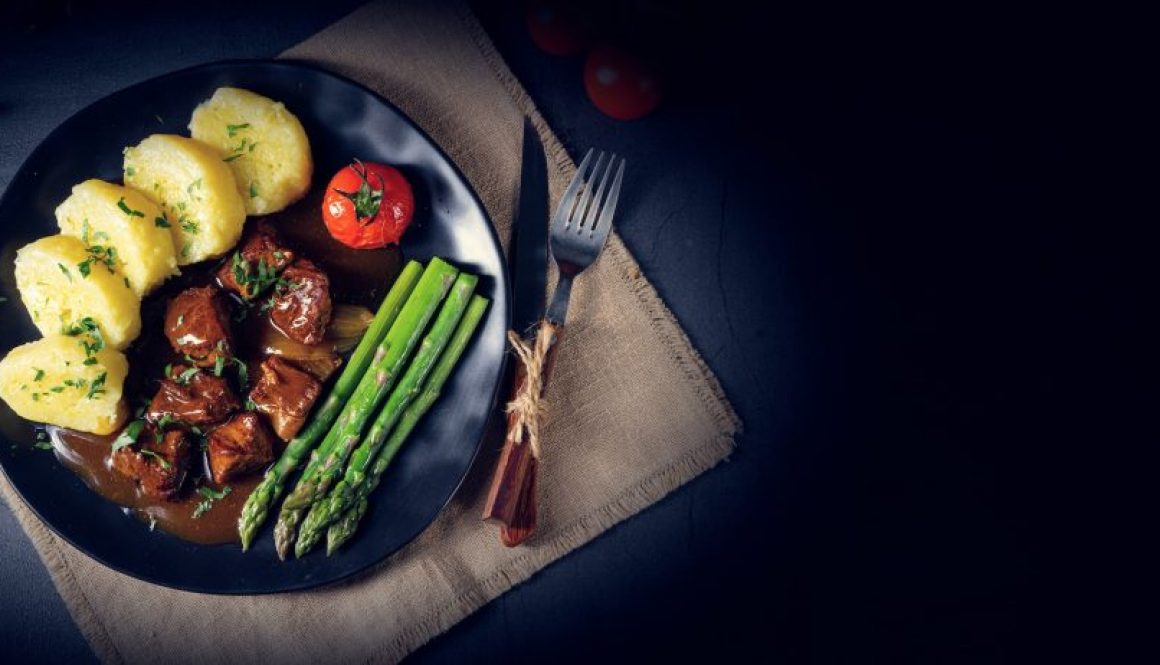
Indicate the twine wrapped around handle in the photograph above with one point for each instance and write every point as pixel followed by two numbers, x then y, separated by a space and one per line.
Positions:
pixel 527 405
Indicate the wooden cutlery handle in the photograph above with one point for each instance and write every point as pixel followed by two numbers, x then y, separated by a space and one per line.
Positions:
pixel 511 500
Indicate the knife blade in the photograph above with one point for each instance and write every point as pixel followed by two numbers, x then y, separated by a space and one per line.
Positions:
pixel 529 255
pixel 529 266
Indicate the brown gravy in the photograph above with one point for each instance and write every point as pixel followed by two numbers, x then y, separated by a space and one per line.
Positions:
pixel 358 277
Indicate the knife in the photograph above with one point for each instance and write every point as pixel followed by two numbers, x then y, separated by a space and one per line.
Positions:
pixel 529 265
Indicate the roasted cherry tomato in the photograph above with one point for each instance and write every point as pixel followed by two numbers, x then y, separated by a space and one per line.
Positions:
pixel 368 205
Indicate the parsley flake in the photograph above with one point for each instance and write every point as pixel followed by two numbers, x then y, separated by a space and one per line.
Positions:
pixel 127 210
pixel 129 435
pixel 210 496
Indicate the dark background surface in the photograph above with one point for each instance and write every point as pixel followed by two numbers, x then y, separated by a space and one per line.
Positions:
pixel 890 233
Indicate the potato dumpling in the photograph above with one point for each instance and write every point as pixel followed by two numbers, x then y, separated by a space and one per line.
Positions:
pixel 124 231
pixel 263 143
pixel 55 380
pixel 60 294
pixel 196 191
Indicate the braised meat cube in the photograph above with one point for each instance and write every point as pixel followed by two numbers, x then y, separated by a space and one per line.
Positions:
pixel 158 461
pixel 301 303
pixel 285 394
pixel 241 446
pixel 255 265
pixel 197 324
pixel 192 397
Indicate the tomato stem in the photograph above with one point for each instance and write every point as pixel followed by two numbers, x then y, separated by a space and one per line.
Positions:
pixel 367 200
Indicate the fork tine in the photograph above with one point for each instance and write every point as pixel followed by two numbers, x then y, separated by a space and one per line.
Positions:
pixel 594 209
pixel 577 215
pixel 604 224
pixel 564 208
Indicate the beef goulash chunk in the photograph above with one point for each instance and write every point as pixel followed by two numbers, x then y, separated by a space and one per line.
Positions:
pixel 193 396
pixel 285 394
pixel 241 446
pixel 256 263
pixel 157 461
pixel 197 324
pixel 301 303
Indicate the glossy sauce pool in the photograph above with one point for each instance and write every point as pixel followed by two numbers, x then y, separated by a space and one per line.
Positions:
pixel 357 277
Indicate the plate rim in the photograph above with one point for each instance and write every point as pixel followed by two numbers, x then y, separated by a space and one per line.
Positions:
pixel 503 276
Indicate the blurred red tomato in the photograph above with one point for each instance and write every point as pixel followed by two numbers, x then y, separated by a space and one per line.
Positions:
pixel 619 84
pixel 556 27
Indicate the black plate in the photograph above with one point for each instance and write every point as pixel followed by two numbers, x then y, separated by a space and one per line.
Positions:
pixel 342 119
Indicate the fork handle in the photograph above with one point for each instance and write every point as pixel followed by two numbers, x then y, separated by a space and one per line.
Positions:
pixel 511 499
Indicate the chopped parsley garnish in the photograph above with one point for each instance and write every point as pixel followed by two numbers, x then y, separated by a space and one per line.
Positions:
pixel 130 171
pixel 243 373
pixel 232 157
pixel 185 376
pixel 65 271
pixel 234 129
pixel 39 374
pixel 161 222
pixel 196 184
pixel 210 496
pixel 105 255
pixel 219 365
pixel 129 435
pixel 189 226
pixel 91 360
pixel 87 326
pixel 127 284
pixel 97 387
pixel 127 210
pixel 253 191
pixel 185 249
pixel 252 281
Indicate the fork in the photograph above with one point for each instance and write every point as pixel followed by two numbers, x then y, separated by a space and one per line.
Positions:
pixel 579 231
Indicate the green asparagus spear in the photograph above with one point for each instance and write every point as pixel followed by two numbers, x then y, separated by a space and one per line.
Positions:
pixel 270 489
pixel 328 507
pixel 342 530
pixel 374 386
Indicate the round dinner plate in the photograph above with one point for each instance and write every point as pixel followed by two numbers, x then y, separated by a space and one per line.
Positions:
pixel 343 120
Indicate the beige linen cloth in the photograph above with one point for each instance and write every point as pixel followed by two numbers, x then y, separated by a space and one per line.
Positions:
pixel 632 417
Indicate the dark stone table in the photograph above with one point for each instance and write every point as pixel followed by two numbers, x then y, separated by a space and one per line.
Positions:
pixel 860 227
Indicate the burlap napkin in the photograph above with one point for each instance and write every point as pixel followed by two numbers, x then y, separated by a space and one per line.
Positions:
pixel 632 417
